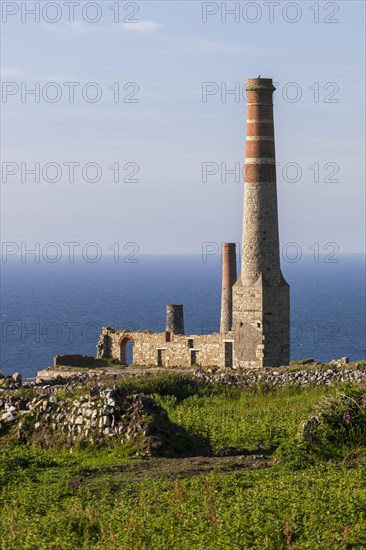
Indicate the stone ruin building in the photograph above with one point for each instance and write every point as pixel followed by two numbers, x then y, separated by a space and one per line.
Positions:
pixel 255 307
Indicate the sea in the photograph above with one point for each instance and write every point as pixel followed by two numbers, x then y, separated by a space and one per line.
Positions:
pixel 52 308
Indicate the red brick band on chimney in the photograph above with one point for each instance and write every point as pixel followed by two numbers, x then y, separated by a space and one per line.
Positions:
pixel 260 254
pixel 260 144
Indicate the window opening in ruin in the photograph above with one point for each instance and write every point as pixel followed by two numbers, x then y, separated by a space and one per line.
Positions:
pixel 161 358
pixel 126 352
pixel 228 355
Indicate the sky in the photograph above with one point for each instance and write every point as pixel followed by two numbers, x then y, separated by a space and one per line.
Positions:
pixel 133 125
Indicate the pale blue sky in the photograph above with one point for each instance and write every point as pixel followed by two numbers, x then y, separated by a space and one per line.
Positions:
pixel 170 132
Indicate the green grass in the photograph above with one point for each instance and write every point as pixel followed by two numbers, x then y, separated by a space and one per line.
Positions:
pixel 99 499
pixel 66 506
pixel 244 419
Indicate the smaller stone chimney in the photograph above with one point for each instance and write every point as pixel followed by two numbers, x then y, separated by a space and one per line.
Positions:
pixel 174 319
pixel 228 279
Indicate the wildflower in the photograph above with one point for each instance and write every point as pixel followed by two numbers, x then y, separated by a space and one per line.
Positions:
pixel 346 417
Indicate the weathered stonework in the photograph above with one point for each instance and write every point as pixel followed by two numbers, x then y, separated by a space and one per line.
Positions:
pixel 153 348
pixel 261 303
pixel 228 279
pixel 74 360
pixel 174 319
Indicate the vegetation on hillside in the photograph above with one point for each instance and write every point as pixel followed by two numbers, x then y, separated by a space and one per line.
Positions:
pixel 295 478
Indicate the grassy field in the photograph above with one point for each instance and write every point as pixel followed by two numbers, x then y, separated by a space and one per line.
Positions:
pixel 244 419
pixel 253 499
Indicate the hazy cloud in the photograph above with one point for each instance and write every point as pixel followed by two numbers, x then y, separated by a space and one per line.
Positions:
pixel 13 72
pixel 141 26
pixel 21 74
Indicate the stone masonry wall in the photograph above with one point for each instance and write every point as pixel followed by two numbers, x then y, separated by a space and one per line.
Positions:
pixel 74 360
pixel 276 326
pixel 247 325
pixel 261 324
pixel 154 349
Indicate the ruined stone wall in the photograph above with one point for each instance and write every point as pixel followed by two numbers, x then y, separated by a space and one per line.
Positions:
pixel 154 349
pixel 74 360
pixel 276 325
pixel 261 325
pixel 247 324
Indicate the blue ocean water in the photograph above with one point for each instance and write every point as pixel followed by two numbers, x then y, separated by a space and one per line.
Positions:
pixel 54 308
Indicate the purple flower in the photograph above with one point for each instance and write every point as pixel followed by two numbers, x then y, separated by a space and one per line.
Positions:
pixel 346 417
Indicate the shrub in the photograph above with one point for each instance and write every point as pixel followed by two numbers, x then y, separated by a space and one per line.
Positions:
pixel 174 384
pixel 337 428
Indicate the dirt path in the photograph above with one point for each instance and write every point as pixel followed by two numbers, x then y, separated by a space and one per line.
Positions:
pixel 173 468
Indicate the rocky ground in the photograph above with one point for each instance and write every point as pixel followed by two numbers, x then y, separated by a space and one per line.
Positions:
pixel 310 373
pixel 302 373
pixel 99 417
pixel 85 407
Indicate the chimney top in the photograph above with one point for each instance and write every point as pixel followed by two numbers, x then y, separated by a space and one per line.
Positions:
pixel 260 84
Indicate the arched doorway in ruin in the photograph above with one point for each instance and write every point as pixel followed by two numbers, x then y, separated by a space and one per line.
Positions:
pixel 126 350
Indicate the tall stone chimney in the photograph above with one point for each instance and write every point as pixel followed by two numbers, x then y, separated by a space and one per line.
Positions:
pixel 261 316
pixel 174 319
pixel 228 252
